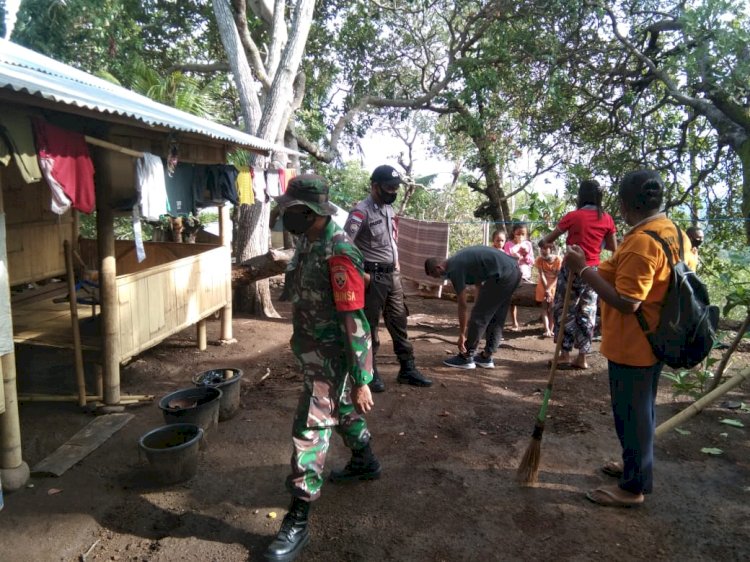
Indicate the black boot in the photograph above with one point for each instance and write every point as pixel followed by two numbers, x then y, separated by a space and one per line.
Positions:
pixel 376 384
pixel 409 374
pixel 362 466
pixel 293 535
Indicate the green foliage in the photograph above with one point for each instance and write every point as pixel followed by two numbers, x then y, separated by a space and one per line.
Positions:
pixel 123 227
pixel 692 383
pixel 349 184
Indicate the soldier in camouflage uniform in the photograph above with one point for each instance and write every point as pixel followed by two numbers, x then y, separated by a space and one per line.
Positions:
pixel 331 341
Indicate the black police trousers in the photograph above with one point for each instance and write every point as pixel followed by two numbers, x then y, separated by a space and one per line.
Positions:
pixel 385 294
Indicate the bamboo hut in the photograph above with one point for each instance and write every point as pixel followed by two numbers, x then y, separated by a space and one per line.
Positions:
pixel 139 303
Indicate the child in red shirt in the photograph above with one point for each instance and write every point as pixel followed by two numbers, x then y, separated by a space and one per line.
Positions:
pixel 590 228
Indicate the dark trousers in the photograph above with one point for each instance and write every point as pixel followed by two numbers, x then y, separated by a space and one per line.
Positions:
pixel 633 394
pixel 489 312
pixel 385 294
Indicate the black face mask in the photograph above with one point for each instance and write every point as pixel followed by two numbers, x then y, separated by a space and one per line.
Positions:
pixel 298 223
pixel 386 197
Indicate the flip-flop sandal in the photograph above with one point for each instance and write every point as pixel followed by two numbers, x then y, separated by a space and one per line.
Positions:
pixel 613 469
pixel 602 496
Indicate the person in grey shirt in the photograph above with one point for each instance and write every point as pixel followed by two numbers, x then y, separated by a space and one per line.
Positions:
pixel 372 226
pixel 496 275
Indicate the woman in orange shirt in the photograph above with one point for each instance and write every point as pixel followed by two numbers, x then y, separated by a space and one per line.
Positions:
pixel 636 277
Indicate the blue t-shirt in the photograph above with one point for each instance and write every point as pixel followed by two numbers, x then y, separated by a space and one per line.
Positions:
pixel 476 264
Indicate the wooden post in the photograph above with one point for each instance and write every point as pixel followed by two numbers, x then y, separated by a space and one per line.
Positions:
pixel 10 427
pixel 73 300
pixel 108 297
pixel 201 334
pixel 225 230
pixel 2 395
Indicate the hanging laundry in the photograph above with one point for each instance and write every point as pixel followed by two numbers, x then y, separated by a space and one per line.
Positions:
pixel 259 184
pixel 221 180
pixel 245 193
pixel 17 140
pixel 282 179
pixel 273 183
pixel 180 189
pixel 66 165
pixel 151 184
pixel 291 173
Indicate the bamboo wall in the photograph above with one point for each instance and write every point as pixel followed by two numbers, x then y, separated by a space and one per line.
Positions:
pixel 35 234
pixel 160 301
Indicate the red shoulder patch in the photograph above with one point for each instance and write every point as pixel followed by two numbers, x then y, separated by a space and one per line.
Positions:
pixel 347 283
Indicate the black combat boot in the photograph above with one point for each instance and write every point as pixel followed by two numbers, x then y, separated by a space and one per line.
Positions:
pixel 362 466
pixel 376 384
pixel 409 374
pixel 293 535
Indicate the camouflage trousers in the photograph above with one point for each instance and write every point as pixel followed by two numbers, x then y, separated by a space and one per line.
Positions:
pixel 325 404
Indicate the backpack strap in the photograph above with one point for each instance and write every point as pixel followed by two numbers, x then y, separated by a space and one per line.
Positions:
pixel 670 259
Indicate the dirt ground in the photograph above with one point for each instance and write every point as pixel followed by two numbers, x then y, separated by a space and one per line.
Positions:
pixel 449 455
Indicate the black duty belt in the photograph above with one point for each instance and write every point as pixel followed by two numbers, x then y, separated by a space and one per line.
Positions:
pixel 377 267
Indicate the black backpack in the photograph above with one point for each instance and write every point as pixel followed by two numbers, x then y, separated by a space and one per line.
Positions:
pixel 686 331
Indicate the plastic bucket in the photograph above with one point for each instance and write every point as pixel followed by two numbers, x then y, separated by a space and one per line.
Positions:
pixel 228 380
pixel 172 451
pixel 199 406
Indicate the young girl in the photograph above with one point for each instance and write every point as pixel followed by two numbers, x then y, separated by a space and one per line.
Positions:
pixel 498 239
pixel 548 264
pixel 588 227
pixel 520 248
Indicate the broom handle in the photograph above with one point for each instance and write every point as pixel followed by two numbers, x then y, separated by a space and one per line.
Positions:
pixel 558 345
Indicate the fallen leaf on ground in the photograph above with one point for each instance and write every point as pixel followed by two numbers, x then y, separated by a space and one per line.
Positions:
pixel 271 515
pixel 733 423
pixel 712 451
pixel 482 433
pixel 53 491
pixel 682 431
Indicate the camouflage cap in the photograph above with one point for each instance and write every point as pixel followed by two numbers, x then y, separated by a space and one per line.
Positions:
pixel 310 190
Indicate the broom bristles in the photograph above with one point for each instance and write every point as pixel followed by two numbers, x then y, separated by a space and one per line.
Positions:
pixel 528 471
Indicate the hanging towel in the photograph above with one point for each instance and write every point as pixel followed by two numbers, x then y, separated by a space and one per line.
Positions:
pixel 282 179
pixel 273 184
pixel 259 184
pixel 418 240
pixel 245 186
pixel 66 165
pixel 15 129
pixel 151 184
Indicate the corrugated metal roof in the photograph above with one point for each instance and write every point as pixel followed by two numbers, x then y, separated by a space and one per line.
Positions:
pixel 24 70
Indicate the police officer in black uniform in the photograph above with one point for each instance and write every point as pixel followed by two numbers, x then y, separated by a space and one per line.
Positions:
pixel 372 227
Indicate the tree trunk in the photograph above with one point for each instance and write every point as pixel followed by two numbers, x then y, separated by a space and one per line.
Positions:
pixel 252 239
pixel 744 153
pixel 243 77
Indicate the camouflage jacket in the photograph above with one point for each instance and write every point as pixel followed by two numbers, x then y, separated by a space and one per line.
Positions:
pixel 320 330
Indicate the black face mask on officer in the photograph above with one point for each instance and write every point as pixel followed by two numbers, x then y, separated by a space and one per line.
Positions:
pixel 298 222
pixel 387 197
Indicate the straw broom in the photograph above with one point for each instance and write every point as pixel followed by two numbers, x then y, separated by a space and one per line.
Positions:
pixel 528 470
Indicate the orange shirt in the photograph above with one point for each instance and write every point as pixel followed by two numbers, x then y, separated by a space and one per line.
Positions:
pixel 638 270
